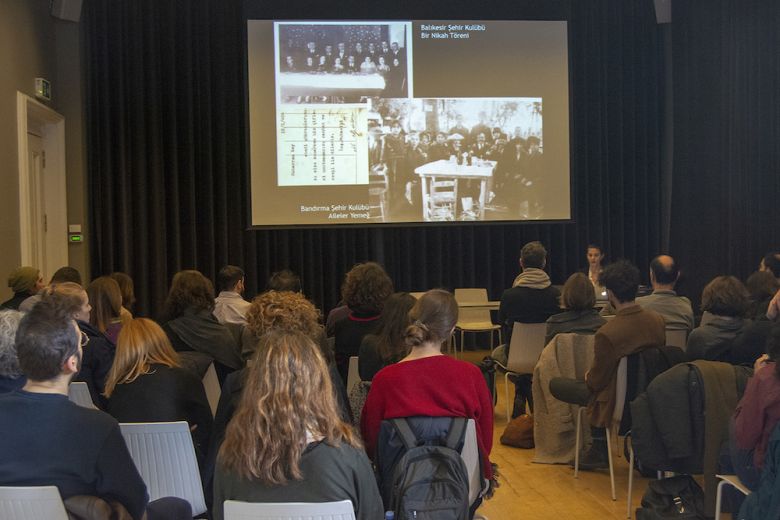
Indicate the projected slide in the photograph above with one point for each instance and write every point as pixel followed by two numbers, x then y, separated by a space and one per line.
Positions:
pixel 377 122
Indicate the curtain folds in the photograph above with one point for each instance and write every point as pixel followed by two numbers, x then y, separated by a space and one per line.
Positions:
pixel 168 161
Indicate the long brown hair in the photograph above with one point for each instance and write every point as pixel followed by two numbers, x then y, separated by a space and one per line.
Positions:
pixel 189 289
pixel 433 318
pixel 392 327
pixel 141 344
pixel 106 300
pixel 127 289
pixel 287 396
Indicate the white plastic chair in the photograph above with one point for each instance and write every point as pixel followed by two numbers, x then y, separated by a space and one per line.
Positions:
pixel 31 503
pixel 617 416
pixel 212 388
pixel 730 480
pixel 165 458
pixel 470 456
pixel 524 351
pixel 474 319
pixel 235 510
pixel 78 393
pixel 353 374
pixel 677 338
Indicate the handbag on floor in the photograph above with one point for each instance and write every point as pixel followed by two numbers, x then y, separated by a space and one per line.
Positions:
pixel 678 497
pixel 519 433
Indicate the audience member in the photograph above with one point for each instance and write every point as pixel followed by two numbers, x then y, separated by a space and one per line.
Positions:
pixel 11 377
pixel 47 440
pixel 147 384
pixel 421 384
pixel 191 326
pixel 61 275
pixel 127 289
pixel 229 305
pixel 285 280
pixel 24 282
pixel 532 299
pixel 632 330
pixel 676 310
pixel 386 346
pixel 758 413
pixel 106 301
pixel 366 287
pixel 771 263
pixel 98 351
pixel 286 442
pixel 726 299
pixel 761 286
pixel 578 300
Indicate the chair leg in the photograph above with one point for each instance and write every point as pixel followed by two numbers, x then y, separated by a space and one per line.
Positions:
pixel 611 467
pixel 506 392
pixel 719 498
pixel 630 480
pixel 577 442
pixel 462 337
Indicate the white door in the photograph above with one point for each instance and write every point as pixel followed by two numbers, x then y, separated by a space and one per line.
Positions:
pixel 37 205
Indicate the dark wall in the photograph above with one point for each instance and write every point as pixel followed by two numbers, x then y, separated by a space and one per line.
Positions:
pixel 168 154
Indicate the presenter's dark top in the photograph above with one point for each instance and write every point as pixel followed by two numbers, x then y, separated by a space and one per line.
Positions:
pixel 49 441
pixel 165 394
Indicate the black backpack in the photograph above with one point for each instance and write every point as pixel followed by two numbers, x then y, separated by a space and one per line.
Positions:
pixel 678 497
pixel 430 481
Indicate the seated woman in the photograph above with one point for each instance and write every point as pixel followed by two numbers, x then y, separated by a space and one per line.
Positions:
pixel 761 285
pixel 127 289
pixel 190 324
pixel 98 352
pixel 578 299
pixel 365 289
pixel 11 377
pixel 386 346
pixel 106 300
pixel 286 442
pixel 146 384
pixel 757 414
pixel 726 299
pixel 595 257
pixel 421 384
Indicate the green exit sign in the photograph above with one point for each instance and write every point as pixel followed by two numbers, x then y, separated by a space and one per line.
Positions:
pixel 76 238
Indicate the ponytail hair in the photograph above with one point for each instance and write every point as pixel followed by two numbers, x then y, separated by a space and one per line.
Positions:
pixel 433 317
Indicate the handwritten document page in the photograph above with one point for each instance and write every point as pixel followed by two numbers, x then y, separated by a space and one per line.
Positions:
pixel 322 145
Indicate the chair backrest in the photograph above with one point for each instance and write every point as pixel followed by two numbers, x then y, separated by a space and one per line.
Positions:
pixel 472 295
pixel 620 390
pixel 677 338
pixel 212 388
pixel 353 374
pixel 78 393
pixel 31 503
pixel 165 458
pixel 526 346
pixel 235 510
pixel 470 456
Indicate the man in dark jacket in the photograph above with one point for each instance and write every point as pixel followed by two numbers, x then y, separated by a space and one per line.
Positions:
pixel 532 299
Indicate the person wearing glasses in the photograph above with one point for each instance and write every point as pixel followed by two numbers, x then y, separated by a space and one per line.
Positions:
pixel 50 441
pixel 98 349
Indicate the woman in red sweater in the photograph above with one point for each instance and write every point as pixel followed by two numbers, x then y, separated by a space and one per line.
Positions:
pixel 428 383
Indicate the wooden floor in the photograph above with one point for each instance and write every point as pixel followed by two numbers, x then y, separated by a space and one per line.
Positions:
pixel 543 491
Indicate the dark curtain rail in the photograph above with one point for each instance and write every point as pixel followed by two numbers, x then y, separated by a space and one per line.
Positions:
pixel 168 157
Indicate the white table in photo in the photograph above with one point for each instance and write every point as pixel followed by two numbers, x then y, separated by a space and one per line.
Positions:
pixel 479 170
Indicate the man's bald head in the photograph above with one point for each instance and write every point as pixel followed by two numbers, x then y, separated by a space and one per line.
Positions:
pixel 663 271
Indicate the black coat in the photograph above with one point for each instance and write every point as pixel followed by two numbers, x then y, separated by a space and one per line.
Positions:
pixel 96 361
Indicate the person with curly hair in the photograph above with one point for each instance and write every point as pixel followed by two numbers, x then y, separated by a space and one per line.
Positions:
pixel 271 311
pixel 11 377
pixel 365 289
pixel 189 322
pixel 286 442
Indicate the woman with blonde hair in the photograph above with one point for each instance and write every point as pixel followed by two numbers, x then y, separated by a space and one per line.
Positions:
pixel 286 442
pixel 146 383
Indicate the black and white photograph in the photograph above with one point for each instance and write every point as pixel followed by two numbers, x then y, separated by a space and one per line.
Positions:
pixel 342 62
pixel 456 159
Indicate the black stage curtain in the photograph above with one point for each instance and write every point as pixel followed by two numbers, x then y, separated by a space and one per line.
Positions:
pixel 726 135
pixel 167 152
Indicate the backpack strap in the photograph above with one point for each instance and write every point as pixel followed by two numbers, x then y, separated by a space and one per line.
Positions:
pixel 405 432
pixel 457 433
